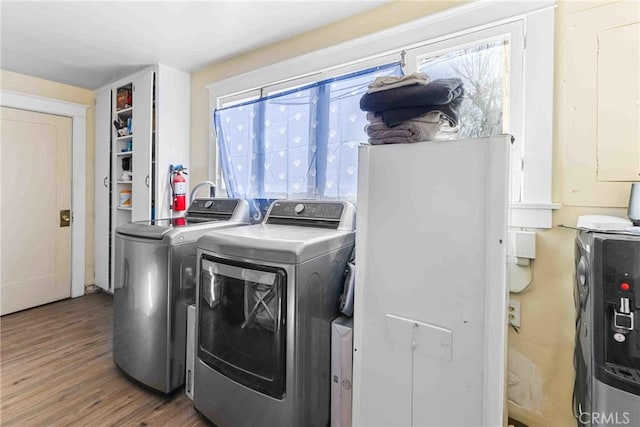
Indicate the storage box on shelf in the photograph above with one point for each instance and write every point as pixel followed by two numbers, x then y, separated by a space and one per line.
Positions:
pixel 124 97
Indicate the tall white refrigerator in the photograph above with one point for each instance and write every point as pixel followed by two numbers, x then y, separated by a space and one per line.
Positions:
pixel 430 312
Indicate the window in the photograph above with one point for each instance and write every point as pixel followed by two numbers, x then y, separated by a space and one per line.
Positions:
pixel 300 143
pixel 483 68
pixel 514 40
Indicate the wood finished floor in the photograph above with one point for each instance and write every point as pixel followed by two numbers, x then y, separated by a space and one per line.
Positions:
pixel 56 369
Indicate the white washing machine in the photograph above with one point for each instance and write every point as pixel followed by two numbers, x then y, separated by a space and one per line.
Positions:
pixel 155 280
pixel 267 295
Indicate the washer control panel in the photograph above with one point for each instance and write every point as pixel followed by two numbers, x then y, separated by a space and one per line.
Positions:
pixel 212 206
pixel 309 210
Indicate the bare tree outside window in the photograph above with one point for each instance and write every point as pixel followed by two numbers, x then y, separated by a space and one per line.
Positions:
pixel 483 70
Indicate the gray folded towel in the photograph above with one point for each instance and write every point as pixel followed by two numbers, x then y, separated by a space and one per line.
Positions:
pixel 393 82
pixel 450 111
pixel 436 92
pixel 431 117
pixel 407 132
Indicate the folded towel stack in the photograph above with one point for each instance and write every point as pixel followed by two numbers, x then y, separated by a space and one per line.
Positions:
pixel 411 108
pixel 423 128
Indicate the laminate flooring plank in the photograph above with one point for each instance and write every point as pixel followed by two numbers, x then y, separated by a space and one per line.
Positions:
pixel 56 369
pixel 164 413
pixel 67 400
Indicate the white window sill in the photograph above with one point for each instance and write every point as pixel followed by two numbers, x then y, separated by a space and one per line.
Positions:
pixel 532 215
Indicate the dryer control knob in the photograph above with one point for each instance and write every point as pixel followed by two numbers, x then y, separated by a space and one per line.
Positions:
pixel 208 204
pixel 299 208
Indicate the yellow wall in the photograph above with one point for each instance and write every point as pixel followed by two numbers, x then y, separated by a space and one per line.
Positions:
pixel 546 338
pixel 35 86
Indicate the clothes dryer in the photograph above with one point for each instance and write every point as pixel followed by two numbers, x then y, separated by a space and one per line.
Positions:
pixel 155 281
pixel 267 295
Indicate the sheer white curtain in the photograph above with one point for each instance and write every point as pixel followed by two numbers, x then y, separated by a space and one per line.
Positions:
pixel 300 143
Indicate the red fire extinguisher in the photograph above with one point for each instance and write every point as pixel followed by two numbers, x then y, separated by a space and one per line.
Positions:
pixel 178 188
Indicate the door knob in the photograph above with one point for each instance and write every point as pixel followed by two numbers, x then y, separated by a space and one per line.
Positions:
pixel 65 218
pixel 104 181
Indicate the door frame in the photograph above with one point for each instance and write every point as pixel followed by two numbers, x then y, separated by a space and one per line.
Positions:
pixel 78 115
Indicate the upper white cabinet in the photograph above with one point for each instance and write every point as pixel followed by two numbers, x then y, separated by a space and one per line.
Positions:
pixel 601 104
pixel 142 127
pixel 619 108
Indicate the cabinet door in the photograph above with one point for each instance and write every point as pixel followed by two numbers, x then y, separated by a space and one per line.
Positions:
pixel 141 130
pixel 618 138
pixel 601 104
pixel 102 179
pixel 172 132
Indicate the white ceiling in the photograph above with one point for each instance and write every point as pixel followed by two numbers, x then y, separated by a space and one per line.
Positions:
pixel 92 43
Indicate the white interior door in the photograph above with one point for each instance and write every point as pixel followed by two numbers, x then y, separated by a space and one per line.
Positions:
pixel 36 168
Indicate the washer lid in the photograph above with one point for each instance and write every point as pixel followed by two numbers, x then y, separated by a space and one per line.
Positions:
pixel 286 244
pixel 204 212
pixel 158 228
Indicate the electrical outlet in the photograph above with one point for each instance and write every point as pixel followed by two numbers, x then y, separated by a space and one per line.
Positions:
pixel 514 313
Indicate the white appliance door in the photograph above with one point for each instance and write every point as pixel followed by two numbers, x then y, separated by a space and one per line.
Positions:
pixel 431 294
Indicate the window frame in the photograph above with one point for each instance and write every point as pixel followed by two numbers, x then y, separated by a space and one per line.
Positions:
pixel 533 207
pixel 514 32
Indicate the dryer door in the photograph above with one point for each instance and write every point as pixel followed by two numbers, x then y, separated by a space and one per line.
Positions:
pixel 241 328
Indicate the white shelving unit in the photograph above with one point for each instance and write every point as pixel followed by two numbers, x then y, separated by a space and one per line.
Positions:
pixel 124 115
pixel 153 107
